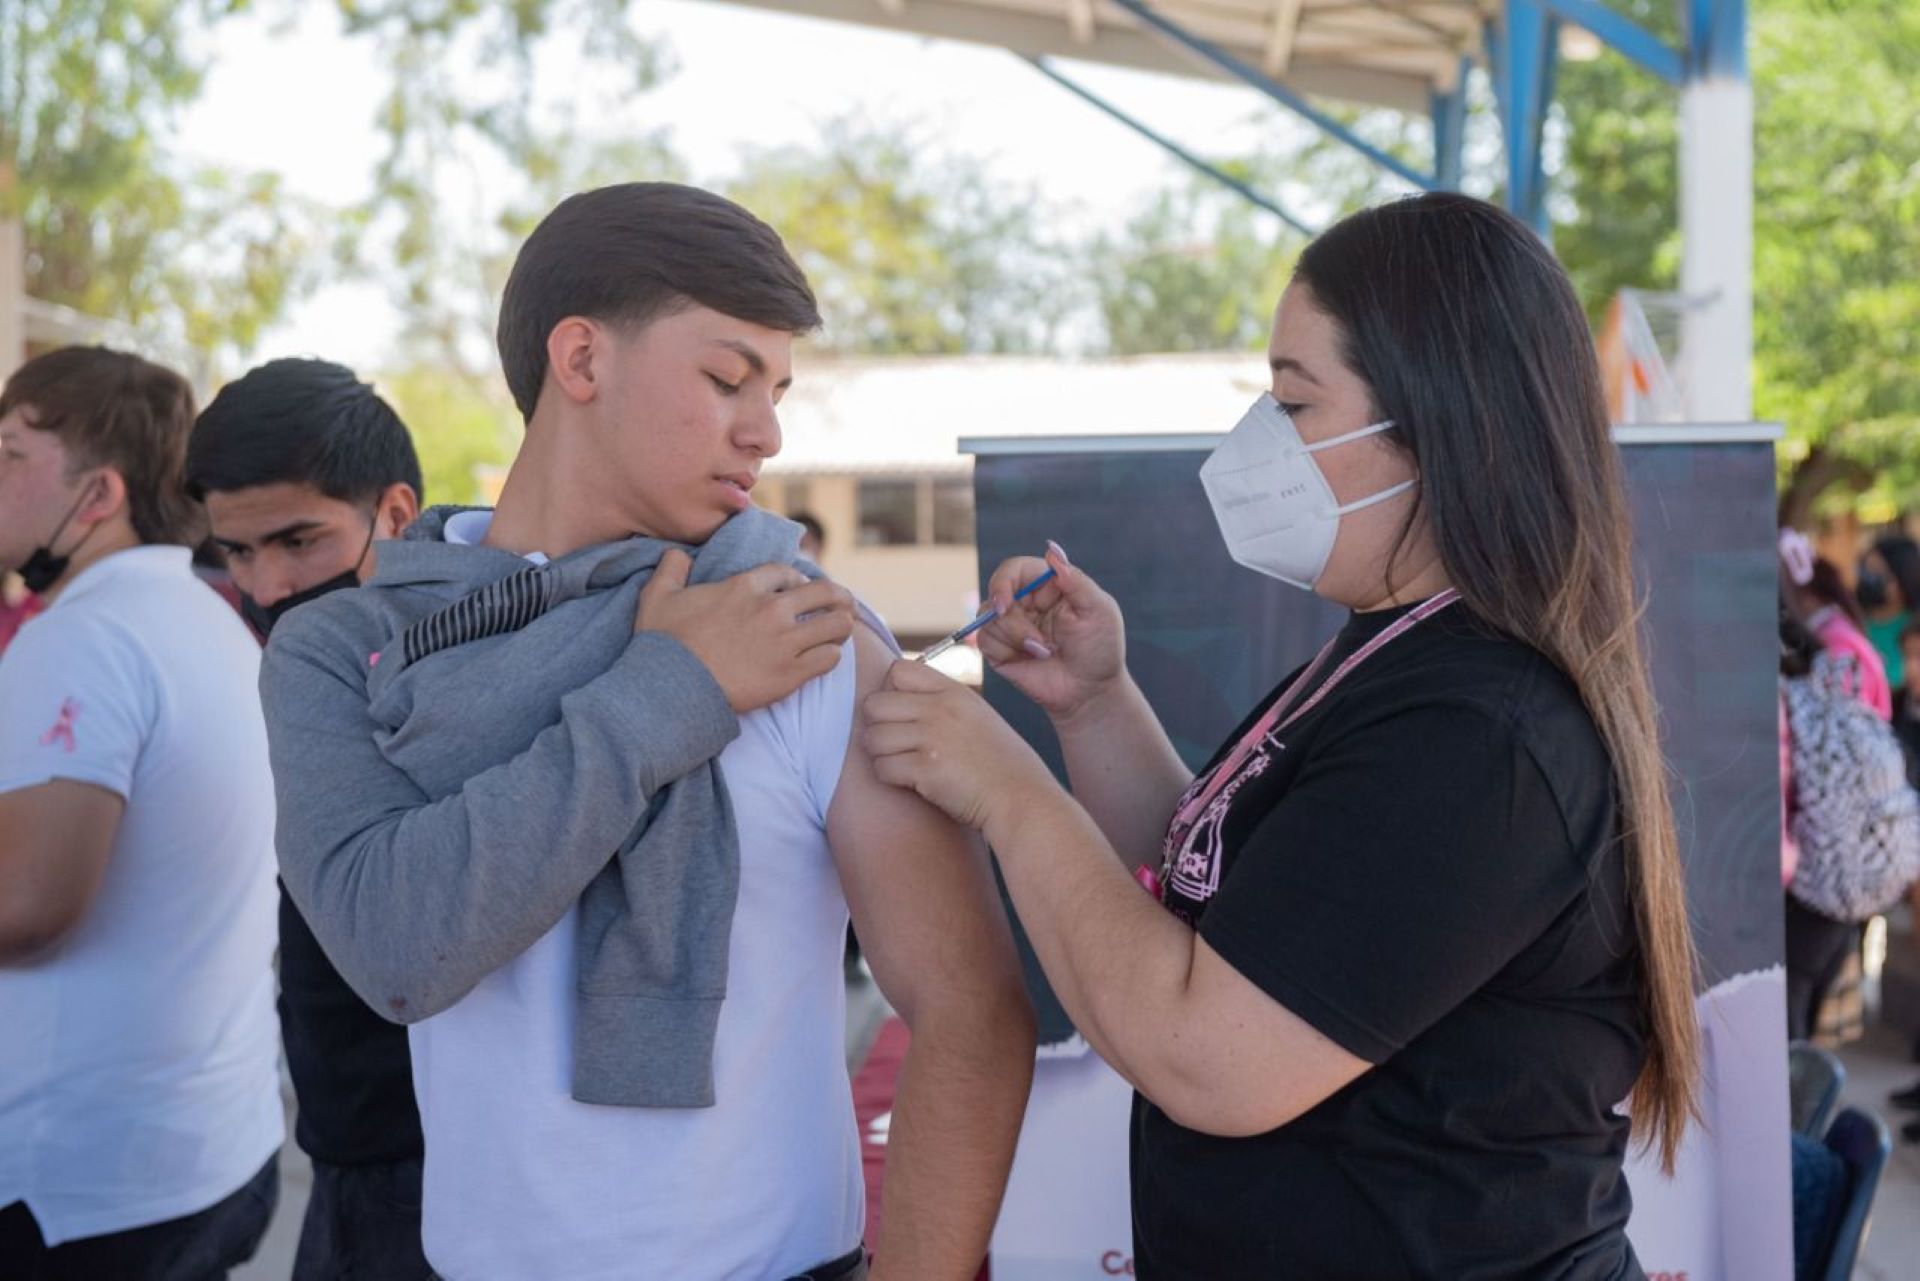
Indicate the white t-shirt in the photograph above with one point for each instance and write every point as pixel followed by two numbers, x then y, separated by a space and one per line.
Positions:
pixel 525 1184
pixel 139 1061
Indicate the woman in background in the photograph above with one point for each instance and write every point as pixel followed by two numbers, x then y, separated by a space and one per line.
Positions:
pixel 1816 945
pixel 1821 598
pixel 1888 591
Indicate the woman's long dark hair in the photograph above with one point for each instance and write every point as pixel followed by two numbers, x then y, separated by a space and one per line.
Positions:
pixel 1827 587
pixel 1798 645
pixel 1469 334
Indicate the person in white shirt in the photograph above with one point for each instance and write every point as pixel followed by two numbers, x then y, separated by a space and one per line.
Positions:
pixel 140 1114
pixel 649 1083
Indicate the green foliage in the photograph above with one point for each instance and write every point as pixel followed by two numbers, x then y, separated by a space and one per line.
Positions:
pixel 460 102
pixel 459 429
pixel 910 252
pixel 1837 243
pixel 193 258
pixel 1836 220
pixel 1617 192
pixel 1198 269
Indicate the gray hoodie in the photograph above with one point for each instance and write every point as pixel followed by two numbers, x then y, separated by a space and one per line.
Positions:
pixel 469 744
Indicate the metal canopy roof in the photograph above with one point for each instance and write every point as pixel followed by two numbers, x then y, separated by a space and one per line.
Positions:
pixel 1388 53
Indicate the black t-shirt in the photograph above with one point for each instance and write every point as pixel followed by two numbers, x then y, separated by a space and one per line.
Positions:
pixel 1424 868
pixel 351 1069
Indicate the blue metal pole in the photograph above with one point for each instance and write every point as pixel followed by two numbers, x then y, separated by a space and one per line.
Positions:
pixel 1450 131
pixel 1626 36
pixel 1178 152
pixel 1286 97
pixel 1524 52
pixel 1549 89
pixel 1717 38
pixel 1495 39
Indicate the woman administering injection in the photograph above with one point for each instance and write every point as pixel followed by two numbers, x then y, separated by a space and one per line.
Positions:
pixel 1418 928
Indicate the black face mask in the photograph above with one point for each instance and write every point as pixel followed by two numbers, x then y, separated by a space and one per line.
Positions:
pixel 1871 590
pixel 43 569
pixel 262 617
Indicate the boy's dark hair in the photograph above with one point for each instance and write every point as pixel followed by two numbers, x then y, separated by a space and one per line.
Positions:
pixel 301 422
pixel 113 409
pixel 631 253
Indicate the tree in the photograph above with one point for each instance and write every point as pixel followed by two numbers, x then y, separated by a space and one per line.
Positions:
pixel 462 106
pixel 1836 242
pixel 911 252
pixel 195 258
pixel 459 429
pixel 1615 195
pixel 1837 245
pixel 1198 269
pixel 206 258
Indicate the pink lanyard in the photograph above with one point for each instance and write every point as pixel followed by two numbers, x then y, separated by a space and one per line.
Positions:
pixel 1283 714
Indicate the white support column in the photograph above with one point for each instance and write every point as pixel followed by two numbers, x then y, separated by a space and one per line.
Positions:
pixel 13 296
pixel 1716 234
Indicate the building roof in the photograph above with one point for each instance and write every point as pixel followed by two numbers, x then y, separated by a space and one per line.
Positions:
pixel 907 415
pixel 1388 53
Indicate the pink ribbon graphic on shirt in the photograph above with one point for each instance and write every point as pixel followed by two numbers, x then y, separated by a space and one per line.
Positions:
pixel 62 731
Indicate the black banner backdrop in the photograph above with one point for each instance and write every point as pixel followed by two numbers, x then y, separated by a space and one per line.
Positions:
pixel 1207 638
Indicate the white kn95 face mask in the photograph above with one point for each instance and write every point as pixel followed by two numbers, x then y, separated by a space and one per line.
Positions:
pixel 1272 502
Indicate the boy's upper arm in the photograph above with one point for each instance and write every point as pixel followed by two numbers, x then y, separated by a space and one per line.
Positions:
pixel 78 717
pixel 77 707
pixel 56 839
pixel 919 886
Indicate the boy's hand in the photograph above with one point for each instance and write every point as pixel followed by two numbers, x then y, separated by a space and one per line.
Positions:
pixel 763 633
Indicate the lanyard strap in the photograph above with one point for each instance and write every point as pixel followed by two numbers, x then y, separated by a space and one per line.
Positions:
pixel 1283 713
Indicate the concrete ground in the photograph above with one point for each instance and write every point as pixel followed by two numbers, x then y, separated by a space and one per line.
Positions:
pixel 274 1262
pixel 1877 1064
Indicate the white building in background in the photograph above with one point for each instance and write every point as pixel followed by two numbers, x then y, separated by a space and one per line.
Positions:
pixel 872 451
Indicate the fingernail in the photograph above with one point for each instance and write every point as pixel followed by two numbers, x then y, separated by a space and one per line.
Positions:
pixel 1038 648
pixel 1059 551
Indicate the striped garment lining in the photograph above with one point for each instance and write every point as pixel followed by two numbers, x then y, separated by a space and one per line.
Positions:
pixel 505 606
